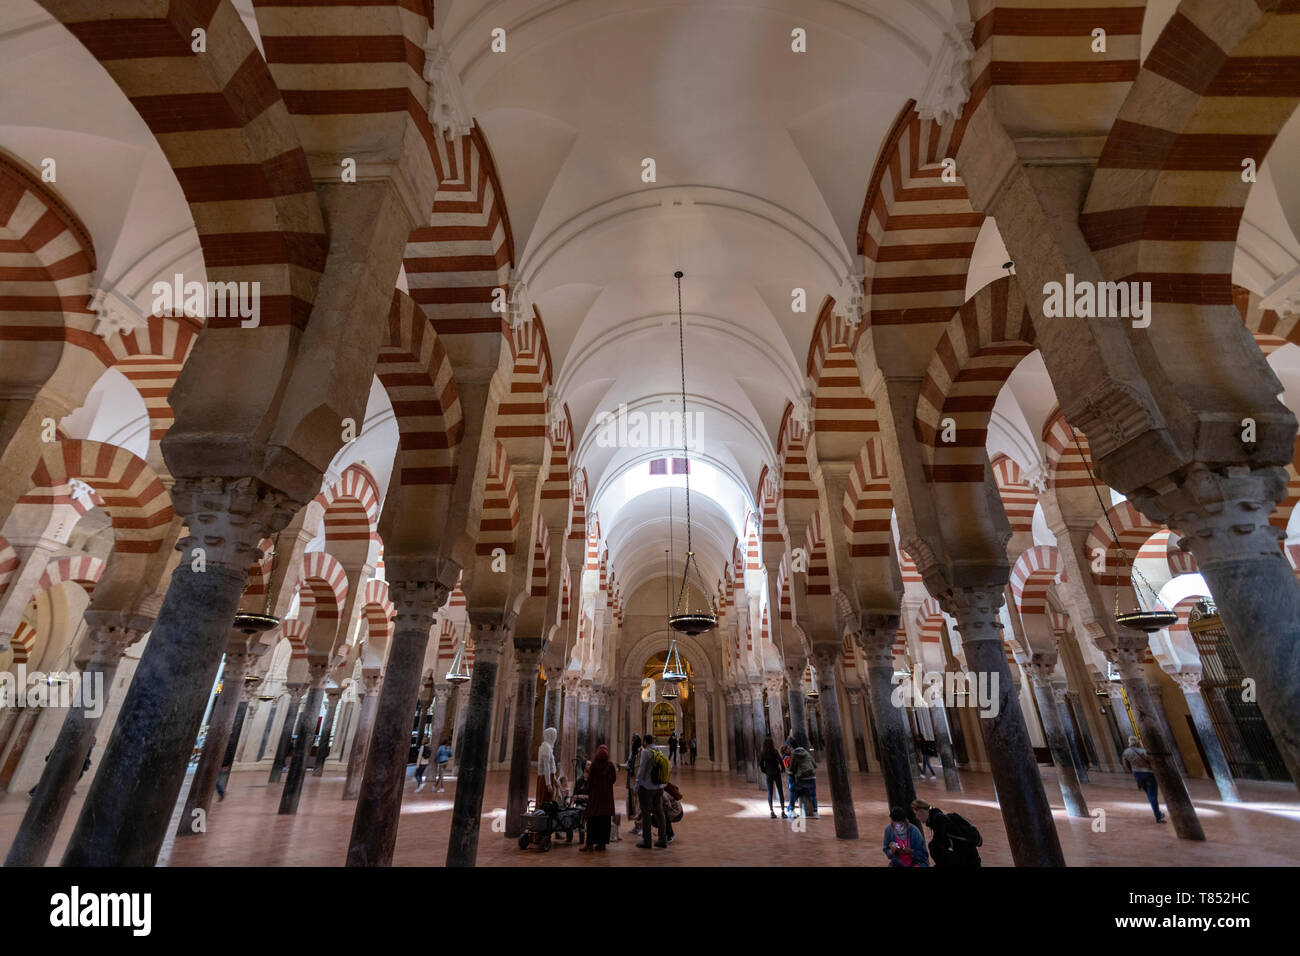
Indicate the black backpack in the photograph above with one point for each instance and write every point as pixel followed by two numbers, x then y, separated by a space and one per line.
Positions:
pixel 962 830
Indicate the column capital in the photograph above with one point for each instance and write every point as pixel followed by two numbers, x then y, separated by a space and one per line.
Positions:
pixel 1188 681
pixel 296 690
pixel 416 602
pixel 1040 671
pixel 976 611
pixel 826 655
pixel 370 684
pixel 1222 514
pixel 317 672
pixel 489 639
pixel 228 517
pixel 250 690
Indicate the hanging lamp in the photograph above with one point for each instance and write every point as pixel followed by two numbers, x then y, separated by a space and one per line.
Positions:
pixel 813 692
pixel 688 619
pixel 673 673
pixel 251 622
pixel 459 672
pixel 1139 618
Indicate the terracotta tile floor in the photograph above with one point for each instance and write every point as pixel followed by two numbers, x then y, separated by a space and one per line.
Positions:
pixel 727 824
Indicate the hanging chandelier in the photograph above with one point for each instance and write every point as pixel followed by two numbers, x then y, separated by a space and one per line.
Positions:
pixel 1139 618
pixel 687 618
pixel 459 672
pixel 673 673
pixel 251 622
pixel 813 692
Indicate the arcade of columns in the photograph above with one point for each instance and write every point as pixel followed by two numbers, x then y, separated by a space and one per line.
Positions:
pixel 487 537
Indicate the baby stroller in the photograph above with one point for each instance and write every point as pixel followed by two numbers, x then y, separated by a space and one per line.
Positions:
pixel 550 819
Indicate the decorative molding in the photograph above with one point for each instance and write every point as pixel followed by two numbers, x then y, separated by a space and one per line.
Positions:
pixel 448 111
pixel 946 88
pixel 117 313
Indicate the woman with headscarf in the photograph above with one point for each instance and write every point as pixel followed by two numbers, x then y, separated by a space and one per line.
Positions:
pixel 546 768
pixel 632 762
pixel 600 799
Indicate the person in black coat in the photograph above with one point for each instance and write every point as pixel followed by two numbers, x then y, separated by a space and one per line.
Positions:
pixel 954 843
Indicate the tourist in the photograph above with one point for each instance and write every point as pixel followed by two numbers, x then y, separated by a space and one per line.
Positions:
pixel 904 843
pixel 694 750
pixel 672 747
pixel 633 765
pixel 955 841
pixel 600 799
pixel 443 756
pixel 803 771
pixel 650 793
pixel 581 788
pixel 422 764
pixel 1138 762
pixel 772 767
pixel 927 751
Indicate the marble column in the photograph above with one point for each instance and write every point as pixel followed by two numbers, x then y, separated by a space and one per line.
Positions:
pixel 837 761
pixel 441 695
pixel 708 698
pixel 489 641
pixel 551 713
pixel 1158 699
pixel 1060 691
pixel 292 791
pixel 1031 831
pixel 247 731
pixel 798 708
pixel 1220 770
pixel 775 719
pixel 124 818
pixel 859 727
pixel 1128 658
pixel 760 719
pixel 1223 518
pixel 569 728
pixel 462 711
pixel 369 692
pixel 332 695
pixel 1040 678
pixel 109 637
pixel 241 715
pixel 528 653
pixel 892 736
pixel 296 692
pixel 1120 709
pixel 584 730
pixel 746 707
pixel 221 723
pixel 379 800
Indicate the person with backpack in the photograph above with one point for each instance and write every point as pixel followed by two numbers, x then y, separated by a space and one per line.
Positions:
pixel 904 843
pixel 803 768
pixel 652 774
pixel 1138 762
pixel 956 840
pixel 770 763
pixel 442 757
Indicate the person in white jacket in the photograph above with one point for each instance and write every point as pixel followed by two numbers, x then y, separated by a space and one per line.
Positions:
pixel 546 768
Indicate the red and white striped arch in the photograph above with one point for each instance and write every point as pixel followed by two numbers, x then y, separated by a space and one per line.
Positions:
pixel 1133 529
pixel 541 558
pixel 8 564
pixel 1019 500
pixel 798 493
pixel 1034 572
pixel 22 642
pixel 557 482
pixel 869 503
pixel 1168 195
pixel 83 569
pixel 222 124
pixel 378 610
pixel 979 349
pixel 767 494
pixel 351 507
pixel 917 232
pixel 928 624
pixel 136 501
pixel 819 572
pixel 324 585
pixel 416 374
pixel 500 515
pixel 1066 467
pixel 1163 546
pixel 295 631
pixel 151 358
pixel 522 414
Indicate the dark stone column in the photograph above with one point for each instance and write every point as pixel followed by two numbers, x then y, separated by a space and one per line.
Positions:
pixel 1158 699
pixel 292 791
pixel 241 715
pixel 1040 677
pixel 738 733
pixel 709 699
pixel 1060 691
pixel 220 724
pixel 327 730
pixel 369 690
pixel 1031 830
pixel 894 741
pixel 1128 658
pixel 110 635
pixel 584 731
pixel 943 740
pixel 746 708
pixel 441 693
pixel 527 655
pixel 124 819
pixel 760 729
pixel 1219 768
pixel 859 727
pixel 22 733
pixel 837 762
pixel 551 714
pixel 296 692
pixel 379 802
pixel 775 719
pixel 1223 519
pixel 489 640
pixel 798 711
pixel 569 730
